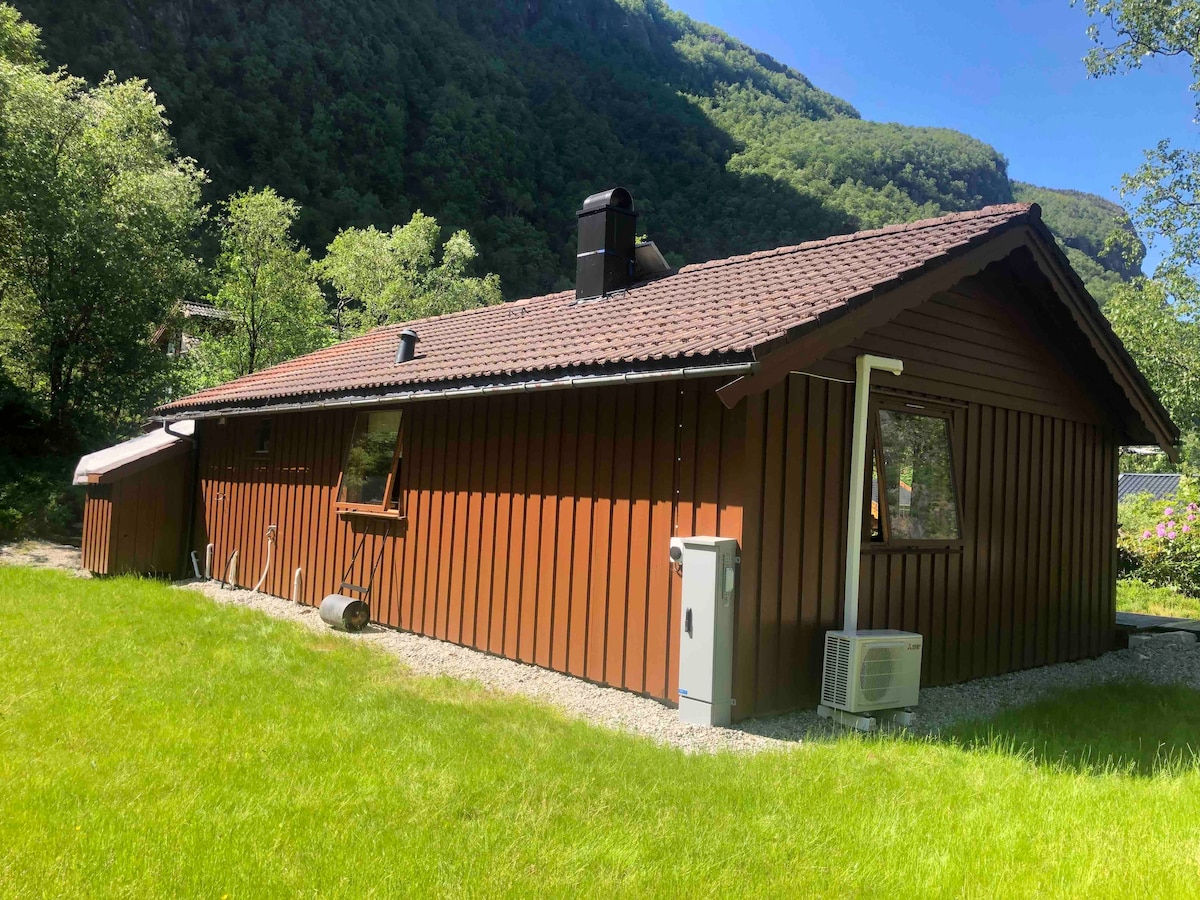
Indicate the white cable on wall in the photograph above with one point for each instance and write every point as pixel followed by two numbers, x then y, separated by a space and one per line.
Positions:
pixel 270 536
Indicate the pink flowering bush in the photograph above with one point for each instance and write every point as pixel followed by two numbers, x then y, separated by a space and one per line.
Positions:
pixel 1159 542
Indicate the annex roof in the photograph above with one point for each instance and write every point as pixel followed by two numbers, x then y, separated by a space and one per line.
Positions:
pixel 108 463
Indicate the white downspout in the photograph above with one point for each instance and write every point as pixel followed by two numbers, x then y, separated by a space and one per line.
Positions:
pixel 858 473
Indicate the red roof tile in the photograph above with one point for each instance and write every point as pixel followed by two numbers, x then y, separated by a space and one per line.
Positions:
pixel 724 308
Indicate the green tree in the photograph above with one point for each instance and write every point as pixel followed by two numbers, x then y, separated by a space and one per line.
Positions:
pixel 1166 188
pixel 1158 320
pixel 1157 325
pixel 383 277
pixel 267 284
pixel 502 121
pixel 19 41
pixel 97 214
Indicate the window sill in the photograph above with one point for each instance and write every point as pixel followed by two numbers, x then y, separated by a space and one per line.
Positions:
pixel 922 547
pixel 370 512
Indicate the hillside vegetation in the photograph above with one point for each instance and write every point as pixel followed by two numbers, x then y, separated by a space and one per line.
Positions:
pixel 500 117
pixel 1084 225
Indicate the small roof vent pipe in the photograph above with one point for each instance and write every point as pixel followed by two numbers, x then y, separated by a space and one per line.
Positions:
pixel 607 237
pixel 408 346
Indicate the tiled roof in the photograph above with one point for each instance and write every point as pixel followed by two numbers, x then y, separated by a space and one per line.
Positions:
pixel 1159 486
pixel 719 310
pixel 193 308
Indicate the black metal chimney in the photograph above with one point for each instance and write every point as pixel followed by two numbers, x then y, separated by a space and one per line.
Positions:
pixel 408 346
pixel 607 235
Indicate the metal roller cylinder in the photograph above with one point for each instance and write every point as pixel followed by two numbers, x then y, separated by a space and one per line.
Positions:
pixel 345 613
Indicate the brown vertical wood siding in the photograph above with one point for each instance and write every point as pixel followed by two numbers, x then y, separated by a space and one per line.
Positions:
pixel 537 525
pixel 1032 584
pixel 134 524
pixel 1034 580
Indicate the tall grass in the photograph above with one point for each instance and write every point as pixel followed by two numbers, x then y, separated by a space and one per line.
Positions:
pixel 1134 595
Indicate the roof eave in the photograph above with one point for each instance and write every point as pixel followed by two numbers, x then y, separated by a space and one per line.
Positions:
pixel 731 365
pixel 837 327
pixel 1105 342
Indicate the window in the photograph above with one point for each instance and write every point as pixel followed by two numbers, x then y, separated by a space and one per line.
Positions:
pixel 918 501
pixel 370 477
pixel 262 438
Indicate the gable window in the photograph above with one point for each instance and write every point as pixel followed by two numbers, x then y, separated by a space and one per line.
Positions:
pixel 371 474
pixel 913 496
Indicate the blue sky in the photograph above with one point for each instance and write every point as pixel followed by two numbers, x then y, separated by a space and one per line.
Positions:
pixel 1009 73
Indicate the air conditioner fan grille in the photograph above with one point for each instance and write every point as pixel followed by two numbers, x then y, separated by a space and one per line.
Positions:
pixel 877 672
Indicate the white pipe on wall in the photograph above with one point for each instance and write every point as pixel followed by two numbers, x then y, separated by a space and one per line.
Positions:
pixel 866 363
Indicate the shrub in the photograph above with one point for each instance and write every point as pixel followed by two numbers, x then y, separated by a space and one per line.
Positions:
pixel 1159 541
pixel 37 499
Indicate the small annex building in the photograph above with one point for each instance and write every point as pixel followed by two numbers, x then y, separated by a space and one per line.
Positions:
pixel 514 474
pixel 137 503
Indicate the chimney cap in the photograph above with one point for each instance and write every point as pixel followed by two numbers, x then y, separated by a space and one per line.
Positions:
pixel 615 198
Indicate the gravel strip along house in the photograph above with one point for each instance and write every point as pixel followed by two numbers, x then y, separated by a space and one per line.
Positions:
pixel 510 478
pixel 941 707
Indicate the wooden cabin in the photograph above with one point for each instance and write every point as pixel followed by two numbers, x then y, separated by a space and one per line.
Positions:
pixel 509 478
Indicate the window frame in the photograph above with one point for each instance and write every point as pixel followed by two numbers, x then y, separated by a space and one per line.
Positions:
pixel 876 457
pixel 385 509
pixel 261 424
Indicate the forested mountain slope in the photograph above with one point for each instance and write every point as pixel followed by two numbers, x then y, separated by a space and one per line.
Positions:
pixel 1083 224
pixel 500 116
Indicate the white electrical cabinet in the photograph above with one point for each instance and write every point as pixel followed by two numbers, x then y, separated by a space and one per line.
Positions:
pixel 706 636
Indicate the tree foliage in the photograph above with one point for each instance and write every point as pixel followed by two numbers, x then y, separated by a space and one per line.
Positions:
pixel 1157 325
pixel 1158 319
pixel 500 117
pixel 382 277
pixel 97 216
pixel 19 41
pixel 266 283
pixel 1166 188
pixel 1128 32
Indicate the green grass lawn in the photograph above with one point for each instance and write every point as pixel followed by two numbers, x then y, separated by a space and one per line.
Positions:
pixel 153 743
pixel 1137 596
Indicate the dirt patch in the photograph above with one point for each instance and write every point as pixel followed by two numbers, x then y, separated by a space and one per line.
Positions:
pixel 42 555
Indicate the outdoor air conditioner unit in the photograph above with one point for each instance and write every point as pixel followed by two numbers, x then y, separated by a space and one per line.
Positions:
pixel 871 670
